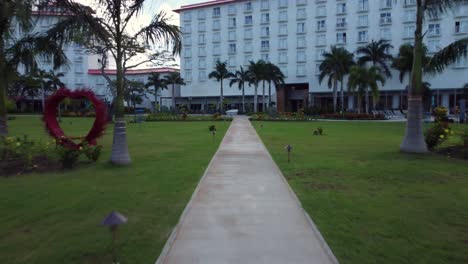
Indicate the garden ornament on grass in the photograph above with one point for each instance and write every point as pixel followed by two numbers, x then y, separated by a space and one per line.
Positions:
pixel 288 148
pixel 212 129
pixel 113 220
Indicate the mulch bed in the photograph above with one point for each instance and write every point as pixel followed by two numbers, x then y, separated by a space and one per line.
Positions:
pixel 16 166
pixel 458 152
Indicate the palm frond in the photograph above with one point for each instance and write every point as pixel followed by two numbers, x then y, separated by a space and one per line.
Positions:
pixel 161 31
pixel 449 55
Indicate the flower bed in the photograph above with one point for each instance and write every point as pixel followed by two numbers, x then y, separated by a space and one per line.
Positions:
pixel 353 116
pixel 300 116
pixel 185 117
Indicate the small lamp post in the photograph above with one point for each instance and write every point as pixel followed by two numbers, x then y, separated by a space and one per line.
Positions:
pixel 288 148
pixel 212 129
pixel 113 220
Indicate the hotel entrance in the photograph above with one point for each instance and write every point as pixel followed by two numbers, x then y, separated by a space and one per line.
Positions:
pixel 293 97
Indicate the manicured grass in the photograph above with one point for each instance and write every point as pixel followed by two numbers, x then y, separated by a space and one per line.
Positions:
pixel 54 218
pixel 371 203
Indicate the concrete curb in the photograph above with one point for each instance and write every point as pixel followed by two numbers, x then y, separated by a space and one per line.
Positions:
pixel 170 241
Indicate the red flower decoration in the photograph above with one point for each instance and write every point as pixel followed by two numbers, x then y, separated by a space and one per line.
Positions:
pixel 53 127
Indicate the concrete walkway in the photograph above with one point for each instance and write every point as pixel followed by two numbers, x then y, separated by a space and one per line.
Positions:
pixel 243 211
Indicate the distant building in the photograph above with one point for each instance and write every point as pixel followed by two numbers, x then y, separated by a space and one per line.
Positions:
pixel 294 34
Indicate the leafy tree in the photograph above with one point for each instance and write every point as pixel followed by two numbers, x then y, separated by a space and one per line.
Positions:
pixel 174 79
pixel 413 141
pixel 336 65
pixel 155 81
pixel 107 32
pixel 241 77
pixel 55 82
pixel 221 73
pixel 376 53
pixel 256 75
pixel 364 80
pixel 22 51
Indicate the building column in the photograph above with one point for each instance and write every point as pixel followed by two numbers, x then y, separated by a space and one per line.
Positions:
pixel 396 101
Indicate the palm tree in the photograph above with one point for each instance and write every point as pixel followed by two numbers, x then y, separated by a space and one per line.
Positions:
pixel 42 78
pixel 361 80
pixel 403 62
pixel 275 76
pixel 336 65
pixel 376 53
pixel 53 84
pixel 241 77
pixel 155 81
pixel 174 79
pixel 21 51
pixel 221 73
pixel 256 75
pixel 413 141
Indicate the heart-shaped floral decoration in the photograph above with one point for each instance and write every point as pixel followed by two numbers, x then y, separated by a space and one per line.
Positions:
pixel 53 127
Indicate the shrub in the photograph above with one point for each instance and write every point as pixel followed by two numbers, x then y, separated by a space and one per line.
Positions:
pixel 184 115
pixel 216 116
pixel 93 152
pixel 10 106
pixel 437 134
pixel 440 114
pixel 318 131
pixel 464 137
pixel 212 128
pixel 68 156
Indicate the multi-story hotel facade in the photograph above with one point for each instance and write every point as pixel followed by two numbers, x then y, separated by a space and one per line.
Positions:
pixel 293 34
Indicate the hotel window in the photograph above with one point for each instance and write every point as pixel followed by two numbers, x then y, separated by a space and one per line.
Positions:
pixel 410 15
pixel 232 22
pixel 433 45
pixel 283 57
pixel 201 39
pixel 363 21
pixel 187 52
pixel 283 3
pixel 460 62
pixel 265 57
pixel 341 22
pixel 321 40
pixel 341 38
pixel 386 34
pixel 386 4
pixel 283 16
pixel 341 8
pixel 187 28
pixel 363 5
pixel 301 2
pixel 434 30
pixel 301 42
pixel 247 59
pixel 321 11
pixel 301 28
pixel 301 56
pixel 409 31
pixel 187 16
pixel 283 29
pixel 265 45
pixel 301 13
pixel 201 14
pixel 248 47
pixel 216 37
pixel 202 51
pixel 78 68
pixel 188 76
pixel 187 41
pixel 217 11
pixel 201 26
pixel 461 10
pixel 216 24
pixel 232 48
pixel 248 20
pixel 202 76
pixel 300 70
pixel 217 49
pixel 321 25
pixel 248 6
pixel 265 18
pixel 363 36
pixel 232 10
pixel 461 26
pixel 202 63
pixel 232 61
pixel 319 54
pixel 215 60
pixel 248 33
pixel 79 79
pixel 385 18
pixel 232 35
pixel 265 4
pixel 283 43
pixel 265 31
pixel 409 2
pixel 284 70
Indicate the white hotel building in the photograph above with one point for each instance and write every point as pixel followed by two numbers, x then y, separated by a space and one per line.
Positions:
pixel 293 34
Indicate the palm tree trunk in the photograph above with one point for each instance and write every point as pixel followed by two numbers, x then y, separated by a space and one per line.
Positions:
pixel 173 98
pixel 269 95
pixel 413 141
pixel 243 98
pixel 256 98
pixel 221 99
pixel 335 95
pixel 155 100
pixel 367 100
pixel 119 153
pixel 342 96
pixel 263 97
pixel 3 96
pixel 359 101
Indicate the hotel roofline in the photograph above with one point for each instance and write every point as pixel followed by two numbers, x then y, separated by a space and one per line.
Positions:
pixel 205 4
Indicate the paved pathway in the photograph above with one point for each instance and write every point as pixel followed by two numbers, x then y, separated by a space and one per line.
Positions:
pixel 243 211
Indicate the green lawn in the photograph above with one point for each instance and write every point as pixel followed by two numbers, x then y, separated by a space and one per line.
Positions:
pixel 54 218
pixel 371 203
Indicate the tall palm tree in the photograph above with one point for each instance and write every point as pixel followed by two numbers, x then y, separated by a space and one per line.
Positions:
pixel 24 50
pixel 241 77
pixel 174 79
pixel 42 77
pixel 403 62
pixel 221 73
pixel 364 80
pixel 53 84
pixel 275 76
pixel 256 75
pixel 155 81
pixel 413 141
pixel 336 65
pixel 376 53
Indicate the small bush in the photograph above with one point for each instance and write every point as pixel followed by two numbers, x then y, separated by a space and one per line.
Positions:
pixel 437 134
pixel 440 114
pixel 318 131
pixel 212 128
pixel 68 157
pixel 92 152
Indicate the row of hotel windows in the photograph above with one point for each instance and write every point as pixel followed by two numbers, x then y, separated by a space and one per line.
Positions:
pixel 341 8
